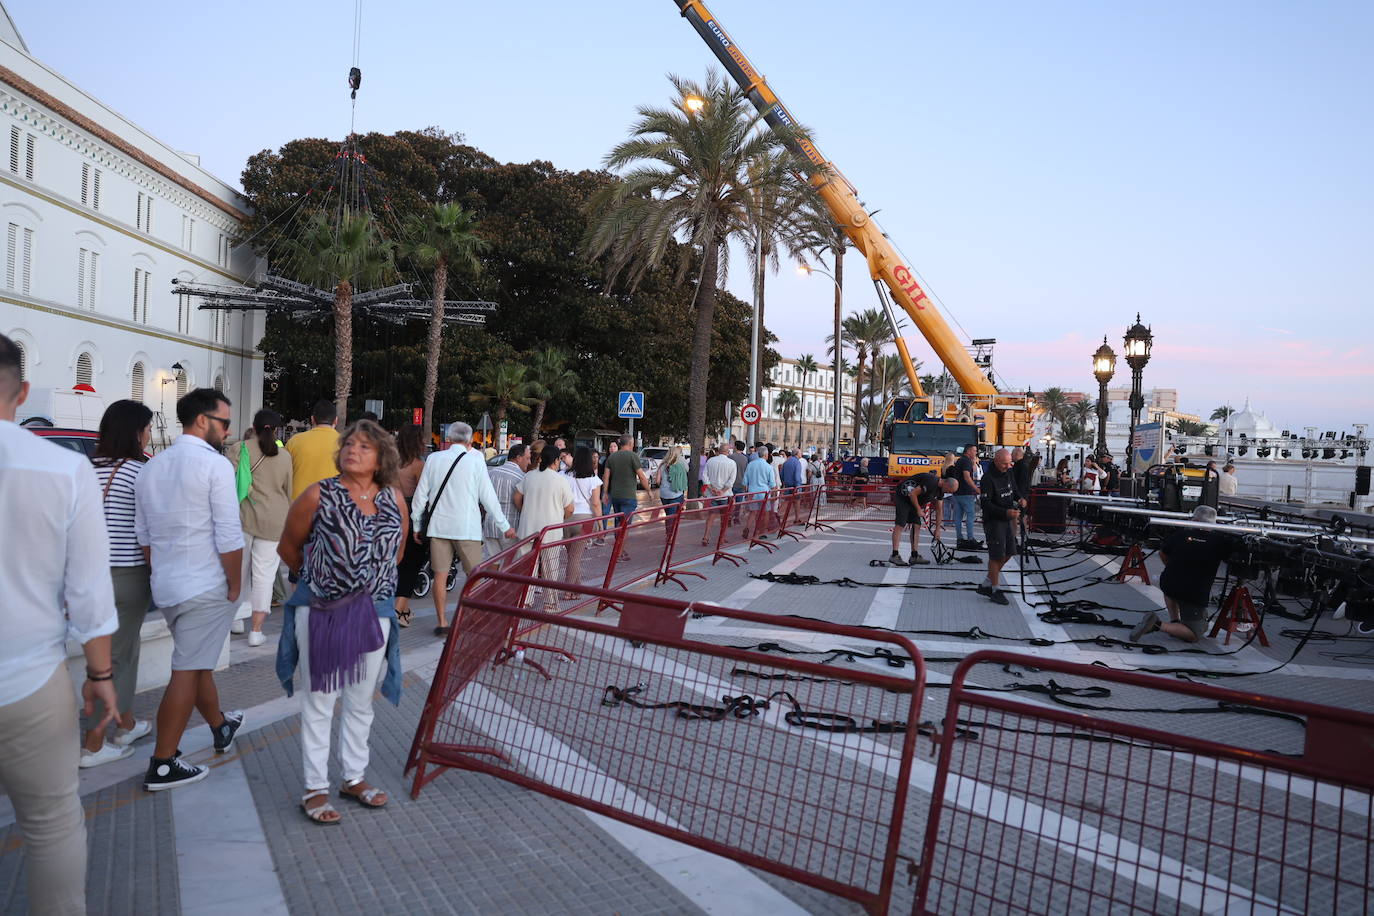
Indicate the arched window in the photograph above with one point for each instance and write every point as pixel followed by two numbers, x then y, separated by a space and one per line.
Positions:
pixel 84 370
pixel 136 384
pixel 219 382
pixel 181 384
pixel 23 360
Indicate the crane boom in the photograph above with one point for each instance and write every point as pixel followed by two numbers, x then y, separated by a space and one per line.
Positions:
pixel 885 263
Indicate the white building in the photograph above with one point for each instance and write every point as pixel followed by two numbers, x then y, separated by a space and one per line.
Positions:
pixel 97 218
pixel 810 424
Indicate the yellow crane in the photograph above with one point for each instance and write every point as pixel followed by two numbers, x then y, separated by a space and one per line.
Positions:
pixel 912 432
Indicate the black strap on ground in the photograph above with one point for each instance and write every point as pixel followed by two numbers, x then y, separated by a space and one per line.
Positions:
pixel 742 707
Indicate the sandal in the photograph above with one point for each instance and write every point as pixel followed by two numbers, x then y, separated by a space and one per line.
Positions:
pixel 365 796
pixel 403 617
pixel 321 813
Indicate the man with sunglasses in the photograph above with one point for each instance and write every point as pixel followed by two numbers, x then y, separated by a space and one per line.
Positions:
pixel 186 516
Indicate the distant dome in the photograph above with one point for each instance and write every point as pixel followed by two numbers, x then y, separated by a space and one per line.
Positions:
pixel 1253 424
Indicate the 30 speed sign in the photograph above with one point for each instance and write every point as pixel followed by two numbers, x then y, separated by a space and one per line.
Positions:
pixel 750 414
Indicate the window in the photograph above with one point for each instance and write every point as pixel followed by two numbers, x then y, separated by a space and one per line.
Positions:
pixel 136 382
pixel 23 148
pixel 219 382
pixel 23 360
pixel 188 231
pixel 87 275
pixel 90 186
pixel 30 153
pixel 181 384
pixel 14 150
pixel 84 373
pixel 18 258
pixel 140 295
pixel 143 216
pixel 223 251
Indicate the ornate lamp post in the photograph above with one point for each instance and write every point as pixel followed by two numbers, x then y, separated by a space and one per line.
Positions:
pixel 1104 367
pixel 1138 340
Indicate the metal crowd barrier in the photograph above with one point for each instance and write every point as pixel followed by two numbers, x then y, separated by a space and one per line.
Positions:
pixel 1051 810
pixel 844 501
pixel 768 760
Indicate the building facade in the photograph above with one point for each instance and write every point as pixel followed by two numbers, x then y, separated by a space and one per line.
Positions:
pixel 810 422
pixel 97 219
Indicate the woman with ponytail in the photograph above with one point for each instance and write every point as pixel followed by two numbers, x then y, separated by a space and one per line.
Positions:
pixel 262 510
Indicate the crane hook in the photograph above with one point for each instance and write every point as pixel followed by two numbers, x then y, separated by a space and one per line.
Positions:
pixel 355 79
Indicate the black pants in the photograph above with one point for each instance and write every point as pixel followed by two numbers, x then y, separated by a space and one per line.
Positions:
pixel 408 570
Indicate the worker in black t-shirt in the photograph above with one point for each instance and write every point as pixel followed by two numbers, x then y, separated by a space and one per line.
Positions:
pixel 1002 503
pixel 1191 559
pixel 1023 465
pixel 910 496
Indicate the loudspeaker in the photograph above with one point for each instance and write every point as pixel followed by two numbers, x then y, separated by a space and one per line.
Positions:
pixel 1362 480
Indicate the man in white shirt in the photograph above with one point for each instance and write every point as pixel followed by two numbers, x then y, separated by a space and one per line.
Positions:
pixel 56 581
pixel 186 517
pixel 720 484
pixel 455 522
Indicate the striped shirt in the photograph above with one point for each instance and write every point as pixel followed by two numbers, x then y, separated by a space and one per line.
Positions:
pixel 119 508
pixel 351 552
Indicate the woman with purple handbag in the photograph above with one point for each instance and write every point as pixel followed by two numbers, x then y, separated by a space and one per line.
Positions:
pixel 344 537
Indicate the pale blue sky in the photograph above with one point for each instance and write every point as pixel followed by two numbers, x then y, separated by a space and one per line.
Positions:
pixel 1049 168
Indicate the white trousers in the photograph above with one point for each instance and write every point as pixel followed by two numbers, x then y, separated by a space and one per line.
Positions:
pixel 317 714
pixel 260 562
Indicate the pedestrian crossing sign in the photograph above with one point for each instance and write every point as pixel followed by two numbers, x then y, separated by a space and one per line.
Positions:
pixel 632 405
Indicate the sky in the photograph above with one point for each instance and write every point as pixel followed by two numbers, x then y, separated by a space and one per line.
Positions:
pixel 1049 169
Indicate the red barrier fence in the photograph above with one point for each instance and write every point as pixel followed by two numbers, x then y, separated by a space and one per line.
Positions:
pixel 1054 811
pixel 765 759
pixel 844 501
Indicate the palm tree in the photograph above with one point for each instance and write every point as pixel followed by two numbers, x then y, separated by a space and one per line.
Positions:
pixel 342 255
pixel 860 331
pixel 1074 430
pixel 505 386
pixel 1084 411
pixel 787 402
pixel 1222 413
pixel 807 365
pixel 688 176
pixel 1054 404
pixel 814 236
pixel 551 378
pixel 442 238
pixel 1191 428
pixel 773 195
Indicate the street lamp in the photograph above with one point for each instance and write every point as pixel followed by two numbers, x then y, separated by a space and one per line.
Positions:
pixel 807 270
pixel 1049 442
pixel 1104 367
pixel 694 104
pixel 1138 340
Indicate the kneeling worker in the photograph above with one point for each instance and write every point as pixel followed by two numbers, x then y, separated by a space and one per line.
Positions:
pixel 911 496
pixel 1191 558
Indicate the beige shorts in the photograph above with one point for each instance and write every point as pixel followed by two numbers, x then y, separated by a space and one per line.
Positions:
pixel 442 550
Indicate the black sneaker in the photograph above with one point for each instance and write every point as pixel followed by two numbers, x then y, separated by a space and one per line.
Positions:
pixel 918 560
pixel 999 597
pixel 224 735
pixel 172 772
pixel 896 559
pixel 984 589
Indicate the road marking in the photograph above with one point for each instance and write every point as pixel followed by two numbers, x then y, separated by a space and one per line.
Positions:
pixel 886 605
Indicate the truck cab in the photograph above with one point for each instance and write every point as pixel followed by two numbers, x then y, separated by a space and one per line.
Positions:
pixel 916 442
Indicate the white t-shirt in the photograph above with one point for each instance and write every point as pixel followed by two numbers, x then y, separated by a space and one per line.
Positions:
pixel 582 490
pixel 1092 480
pixel 1227 484
pixel 547 494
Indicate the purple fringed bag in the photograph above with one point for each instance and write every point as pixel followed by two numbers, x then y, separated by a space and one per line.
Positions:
pixel 342 632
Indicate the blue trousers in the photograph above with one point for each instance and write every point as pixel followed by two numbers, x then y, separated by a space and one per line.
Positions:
pixel 964 510
pixel 623 507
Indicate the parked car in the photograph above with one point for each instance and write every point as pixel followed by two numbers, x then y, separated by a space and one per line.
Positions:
pixel 78 440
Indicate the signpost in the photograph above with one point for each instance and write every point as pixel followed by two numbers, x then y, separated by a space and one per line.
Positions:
pixel 750 414
pixel 417 416
pixel 630 406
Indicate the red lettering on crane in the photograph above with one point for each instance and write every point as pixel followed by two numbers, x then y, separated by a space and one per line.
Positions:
pixel 909 286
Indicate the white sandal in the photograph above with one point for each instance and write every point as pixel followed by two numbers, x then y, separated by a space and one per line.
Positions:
pixel 367 798
pixel 319 813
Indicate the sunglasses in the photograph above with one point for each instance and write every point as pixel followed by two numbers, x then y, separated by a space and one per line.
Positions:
pixel 223 420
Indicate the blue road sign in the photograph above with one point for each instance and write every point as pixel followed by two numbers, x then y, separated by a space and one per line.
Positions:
pixel 631 405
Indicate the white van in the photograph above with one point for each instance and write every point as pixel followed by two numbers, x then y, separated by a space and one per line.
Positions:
pixel 69 408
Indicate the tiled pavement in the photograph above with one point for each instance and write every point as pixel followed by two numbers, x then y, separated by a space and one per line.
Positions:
pixel 237 842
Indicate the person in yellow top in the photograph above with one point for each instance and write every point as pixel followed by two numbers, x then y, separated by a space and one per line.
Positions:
pixel 313 451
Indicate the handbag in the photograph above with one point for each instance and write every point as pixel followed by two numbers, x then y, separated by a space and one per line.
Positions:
pixel 423 527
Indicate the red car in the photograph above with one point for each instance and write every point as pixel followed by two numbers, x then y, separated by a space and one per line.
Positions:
pixel 78 440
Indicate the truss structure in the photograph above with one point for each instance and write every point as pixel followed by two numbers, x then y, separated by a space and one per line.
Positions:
pixel 279 294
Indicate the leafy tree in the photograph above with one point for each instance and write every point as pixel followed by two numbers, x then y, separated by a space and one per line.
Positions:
pixel 341 256
pixel 549 373
pixel 505 387
pixel 685 176
pixel 1054 405
pixel 441 238
pixel 787 403
pixel 1222 413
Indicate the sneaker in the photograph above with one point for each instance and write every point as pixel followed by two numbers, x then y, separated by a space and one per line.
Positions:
pixel 237 627
pixel 256 638
pixel 224 735
pixel 896 559
pixel 108 753
pixel 918 560
pixel 999 597
pixel 984 589
pixel 1148 624
pixel 172 772
pixel 141 727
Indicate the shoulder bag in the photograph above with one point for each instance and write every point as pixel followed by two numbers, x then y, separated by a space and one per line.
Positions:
pixel 423 527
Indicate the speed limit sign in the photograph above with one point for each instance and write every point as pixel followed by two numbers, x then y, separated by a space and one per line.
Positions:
pixel 750 414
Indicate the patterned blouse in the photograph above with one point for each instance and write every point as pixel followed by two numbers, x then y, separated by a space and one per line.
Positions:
pixel 349 551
